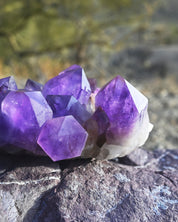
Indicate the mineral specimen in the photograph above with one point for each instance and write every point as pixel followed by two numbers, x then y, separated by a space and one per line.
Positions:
pixel 70 116
pixel 62 138
pixel 71 81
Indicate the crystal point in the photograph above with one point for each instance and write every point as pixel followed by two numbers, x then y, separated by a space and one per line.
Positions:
pixel 7 84
pixel 71 81
pixel 126 109
pixel 32 85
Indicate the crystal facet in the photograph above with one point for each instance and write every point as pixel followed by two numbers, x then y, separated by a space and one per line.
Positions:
pixel 68 105
pixel 27 112
pixel 62 138
pixel 5 129
pixel 7 84
pixel 71 81
pixel 32 85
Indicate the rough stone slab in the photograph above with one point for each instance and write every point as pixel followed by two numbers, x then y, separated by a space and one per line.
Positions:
pixel 108 191
pixel 22 186
pixel 105 191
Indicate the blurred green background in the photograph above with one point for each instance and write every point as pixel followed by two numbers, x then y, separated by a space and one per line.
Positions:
pixel 137 39
pixel 39 38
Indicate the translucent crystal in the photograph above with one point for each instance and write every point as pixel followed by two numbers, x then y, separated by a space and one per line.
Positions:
pixel 62 138
pixel 26 112
pixel 68 105
pixel 32 85
pixel 126 109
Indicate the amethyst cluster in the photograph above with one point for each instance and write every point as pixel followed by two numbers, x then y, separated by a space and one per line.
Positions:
pixel 70 117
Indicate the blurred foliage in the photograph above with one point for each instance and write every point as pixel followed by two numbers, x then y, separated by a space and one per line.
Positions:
pixel 54 33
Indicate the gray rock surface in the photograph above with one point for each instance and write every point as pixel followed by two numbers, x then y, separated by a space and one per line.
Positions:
pixel 140 187
pixel 22 183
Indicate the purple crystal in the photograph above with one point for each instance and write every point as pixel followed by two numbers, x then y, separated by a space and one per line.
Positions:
pixel 102 120
pixel 126 109
pixel 71 81
pixel 27 112
pixel 60 104
pixel 5 129
pixel 7 84
pixel 62 138
pixel 68 105
pixel 32 85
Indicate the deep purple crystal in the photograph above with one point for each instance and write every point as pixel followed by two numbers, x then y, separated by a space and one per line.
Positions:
pixel 62 138
pixel 27 112
pixel 71 81
pixel 32 85
pixel 67 105
pixel 60 104
pixel 116 100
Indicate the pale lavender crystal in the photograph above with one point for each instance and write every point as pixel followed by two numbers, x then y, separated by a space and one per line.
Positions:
pixel 32 85
pixel 7 84
pixel 26 112
pixel 126 109
pixel 67 105
pixel 71 81
pixel 62 138
pixel 93 84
